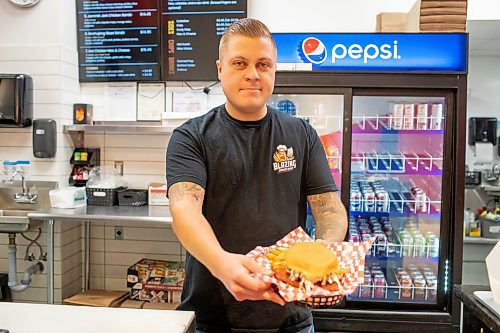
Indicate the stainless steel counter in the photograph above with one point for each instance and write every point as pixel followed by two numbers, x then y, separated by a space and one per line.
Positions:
pixel 87 215
pixel 106 213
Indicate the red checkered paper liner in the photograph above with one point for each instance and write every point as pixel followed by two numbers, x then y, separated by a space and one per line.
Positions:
pixel 349 255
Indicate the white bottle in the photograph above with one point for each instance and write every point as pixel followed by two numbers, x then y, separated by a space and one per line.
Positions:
pixel 467 222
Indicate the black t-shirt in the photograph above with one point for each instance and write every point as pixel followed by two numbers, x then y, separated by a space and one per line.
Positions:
pixel 257 176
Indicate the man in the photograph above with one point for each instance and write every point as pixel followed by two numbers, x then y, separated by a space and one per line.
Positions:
pixel 239 177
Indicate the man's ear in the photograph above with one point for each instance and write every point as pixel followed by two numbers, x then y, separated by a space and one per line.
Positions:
pixel 219 68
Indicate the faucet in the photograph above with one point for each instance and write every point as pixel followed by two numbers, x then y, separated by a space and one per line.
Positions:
pixel 25 196
pixel 494 174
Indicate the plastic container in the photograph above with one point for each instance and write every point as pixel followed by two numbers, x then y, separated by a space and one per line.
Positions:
pixel 103 196
pixel 133 197
pixel 8 169
pixel 490 228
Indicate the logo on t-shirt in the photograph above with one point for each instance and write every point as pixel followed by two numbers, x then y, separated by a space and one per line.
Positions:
pixel 284 161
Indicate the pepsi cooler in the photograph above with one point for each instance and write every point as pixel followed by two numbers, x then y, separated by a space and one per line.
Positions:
pixel 390 110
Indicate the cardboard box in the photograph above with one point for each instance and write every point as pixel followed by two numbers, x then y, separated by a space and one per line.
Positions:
pixel 391 22
pixel 171 295
pixel 161 306
pixel 130 304
pixel 156 280
pixel 157 194
pixel 96 297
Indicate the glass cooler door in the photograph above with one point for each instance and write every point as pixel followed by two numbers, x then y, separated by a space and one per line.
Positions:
pixel 395 194
pixel 325 114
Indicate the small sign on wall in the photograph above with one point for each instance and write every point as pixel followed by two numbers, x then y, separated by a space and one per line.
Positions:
pixel 150 101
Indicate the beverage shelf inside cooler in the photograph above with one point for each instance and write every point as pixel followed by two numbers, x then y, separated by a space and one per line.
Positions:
pixel 396 248
pixel 400 163
pixel 323 121
pixel 399 204
pixel 384 124
pixel 392 290
pixel 409 242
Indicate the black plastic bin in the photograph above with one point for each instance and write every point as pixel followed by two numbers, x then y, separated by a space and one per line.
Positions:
pixel 133 197
pixel 103 196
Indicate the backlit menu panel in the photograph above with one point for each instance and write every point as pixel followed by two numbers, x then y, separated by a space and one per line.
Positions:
pixel 191 31
pixel 118 40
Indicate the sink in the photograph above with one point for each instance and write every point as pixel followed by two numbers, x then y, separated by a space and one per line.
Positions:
pixel 16 221
pixel 14 216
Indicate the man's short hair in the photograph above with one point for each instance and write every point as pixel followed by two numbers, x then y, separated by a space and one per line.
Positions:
pixel 248 27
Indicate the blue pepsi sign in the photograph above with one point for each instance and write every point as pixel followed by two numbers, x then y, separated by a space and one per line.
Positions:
pixel 375 52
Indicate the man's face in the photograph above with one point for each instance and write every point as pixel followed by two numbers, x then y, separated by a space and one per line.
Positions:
pixel 246 69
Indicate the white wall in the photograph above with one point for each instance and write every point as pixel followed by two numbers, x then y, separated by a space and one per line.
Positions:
pixel 323 16
pixel 483 98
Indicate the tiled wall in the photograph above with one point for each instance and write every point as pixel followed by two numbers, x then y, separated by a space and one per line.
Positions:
pixel 55 77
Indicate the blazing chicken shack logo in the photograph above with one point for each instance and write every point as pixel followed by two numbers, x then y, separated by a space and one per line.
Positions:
pixel 284 161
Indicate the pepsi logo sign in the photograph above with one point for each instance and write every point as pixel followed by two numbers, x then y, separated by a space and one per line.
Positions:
pixel 314 50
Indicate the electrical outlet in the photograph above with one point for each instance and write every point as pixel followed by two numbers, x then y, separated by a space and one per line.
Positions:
pixel 119 167
pixel 118 232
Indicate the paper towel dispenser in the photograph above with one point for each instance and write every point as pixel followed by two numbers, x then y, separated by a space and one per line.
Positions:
pixel 482 130
pixel 16 100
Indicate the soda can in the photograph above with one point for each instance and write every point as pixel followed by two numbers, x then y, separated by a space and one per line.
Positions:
pixel 436 116
pixel 422 116
pixel 419 246
pixel 383 219
pixel 406 286
pixel 382 201
pixel 431 288
pixel 409 117
pixel 369 201
pixel 427 271
pixel 354 238
pixel 419 287
pixel 362 219
pixel 407 243
pixel 355 201
pixel 388 230
pixel 433 242
pixel 400 271
pixel 366 287
pixel 381 243
pixel 366 237
pixel 379 285
pixel 398 116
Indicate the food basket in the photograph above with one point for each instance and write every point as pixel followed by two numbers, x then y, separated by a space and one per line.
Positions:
pixel 351 256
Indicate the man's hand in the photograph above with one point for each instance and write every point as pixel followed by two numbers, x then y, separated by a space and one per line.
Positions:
pixel 235 273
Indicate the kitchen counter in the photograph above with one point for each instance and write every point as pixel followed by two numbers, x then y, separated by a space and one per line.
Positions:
pixel 106 213
pixel 476 316
pixel 89 214
pixel 32 318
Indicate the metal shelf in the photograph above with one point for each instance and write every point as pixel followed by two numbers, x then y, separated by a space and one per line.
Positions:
pixel 77 132
pixel 120 127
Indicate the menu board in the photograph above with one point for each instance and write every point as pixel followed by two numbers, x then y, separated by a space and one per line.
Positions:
pixel 118 40
pixel 191 31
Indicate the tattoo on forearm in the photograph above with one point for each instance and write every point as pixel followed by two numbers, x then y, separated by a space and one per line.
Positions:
pixel 329 215
pixel 322 203
pixel 182 190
